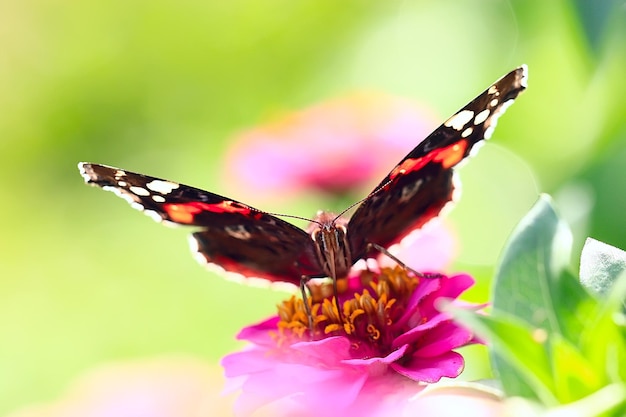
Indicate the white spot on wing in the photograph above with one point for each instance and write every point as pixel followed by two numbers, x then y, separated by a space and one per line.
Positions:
pixel 158 198
pixel 122 183
pixel 139 191
pixel 481 117
pixel 492 90
pixel 459 120
pixel 163 187
pixel 494 102
pixel 467 132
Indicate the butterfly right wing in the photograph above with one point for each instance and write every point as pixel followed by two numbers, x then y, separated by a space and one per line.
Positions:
pixel 233 236
pixel 422 184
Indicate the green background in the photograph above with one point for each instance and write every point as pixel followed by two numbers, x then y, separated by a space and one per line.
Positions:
pixel 161 87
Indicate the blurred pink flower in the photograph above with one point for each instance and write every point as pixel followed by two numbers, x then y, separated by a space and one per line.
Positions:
pixel 164 387
pixel 334 146
pixel 390 331
pixel 430 248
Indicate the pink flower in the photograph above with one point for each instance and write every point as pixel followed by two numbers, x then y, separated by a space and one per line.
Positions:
pixel 161 387
pixel 390 332
pixel 334 146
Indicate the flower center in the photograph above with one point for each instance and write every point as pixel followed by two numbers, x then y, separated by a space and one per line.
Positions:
pixel 370 315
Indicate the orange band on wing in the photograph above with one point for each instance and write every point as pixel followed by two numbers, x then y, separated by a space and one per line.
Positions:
pixel 184 213
pixel 447 157
pixel 451 155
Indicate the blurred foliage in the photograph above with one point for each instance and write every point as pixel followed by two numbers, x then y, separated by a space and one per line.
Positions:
pixel 160 87
pixel 554 343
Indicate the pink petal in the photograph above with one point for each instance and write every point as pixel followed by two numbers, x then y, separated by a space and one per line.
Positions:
pixel 260 333
pixel 424 289
pixel 416 332
pixel 314 387
pixel 451 287
pixel 377 365
pixel 443 338
pixel 331 350
pixel 250 361
pixel 432 369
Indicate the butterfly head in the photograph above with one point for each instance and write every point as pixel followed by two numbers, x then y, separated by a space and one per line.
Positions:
pixel 328 232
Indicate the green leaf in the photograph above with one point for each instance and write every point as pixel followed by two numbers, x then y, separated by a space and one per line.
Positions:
pixel 574 307
pixel 535 256
pixel 603 340
pixel 533 285
pixel 533 260
pixel 600 265
pixel 574 375
pixel 522 348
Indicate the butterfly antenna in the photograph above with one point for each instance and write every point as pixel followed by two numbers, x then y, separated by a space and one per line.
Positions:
pixel 367 197
pixel 286 215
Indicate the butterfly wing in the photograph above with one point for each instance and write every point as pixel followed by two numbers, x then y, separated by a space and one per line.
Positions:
pixel 232 235
pixel 418 188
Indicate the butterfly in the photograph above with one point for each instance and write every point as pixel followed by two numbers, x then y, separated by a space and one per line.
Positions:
pixel 251 243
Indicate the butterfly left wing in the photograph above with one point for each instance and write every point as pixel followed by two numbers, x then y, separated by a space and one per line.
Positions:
pixel 232 235
pixel 418 188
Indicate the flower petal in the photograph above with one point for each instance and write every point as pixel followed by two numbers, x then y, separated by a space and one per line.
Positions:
pixel 443 338
pixel 259 333
pixel 249 361
pixel 451 287
pixel 424 289
pixel 377 366
pixel 312 386
pixel 416 332
pixel 329 351
pixel 432 369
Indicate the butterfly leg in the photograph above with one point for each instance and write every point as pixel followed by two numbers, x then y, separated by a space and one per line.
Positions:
pixel 394 258
pixel 336 293
pixel 305 300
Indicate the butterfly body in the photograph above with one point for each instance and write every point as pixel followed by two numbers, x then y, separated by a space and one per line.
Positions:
pixel 252 243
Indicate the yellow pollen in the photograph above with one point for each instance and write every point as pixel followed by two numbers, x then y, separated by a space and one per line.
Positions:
pixel 356 313
pixel 373 332
pixel 332 328
pixel 368 316
pixel 348 328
